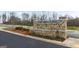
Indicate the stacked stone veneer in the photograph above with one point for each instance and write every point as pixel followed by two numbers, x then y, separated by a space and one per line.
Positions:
pixel 52 28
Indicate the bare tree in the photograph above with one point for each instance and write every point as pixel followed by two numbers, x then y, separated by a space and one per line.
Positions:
pixel 25 16
pixel 43 17
pixel 13 19
pixel 33 18
pixel 54 16
pixel 4 18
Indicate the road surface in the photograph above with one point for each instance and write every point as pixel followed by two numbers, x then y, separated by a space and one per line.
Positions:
pixel 8 40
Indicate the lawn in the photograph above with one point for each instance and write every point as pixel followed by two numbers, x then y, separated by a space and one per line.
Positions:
pixel 73 28
pixel 7 26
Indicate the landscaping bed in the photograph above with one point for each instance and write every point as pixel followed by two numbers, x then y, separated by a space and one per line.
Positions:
pixel 19 30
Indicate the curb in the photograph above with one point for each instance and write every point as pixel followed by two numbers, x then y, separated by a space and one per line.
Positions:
pixel 38 38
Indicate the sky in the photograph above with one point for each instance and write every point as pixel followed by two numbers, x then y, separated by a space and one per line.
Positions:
pixel 49 13
pixel 73 14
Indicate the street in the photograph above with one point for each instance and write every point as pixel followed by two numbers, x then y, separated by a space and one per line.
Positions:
pixel 9 40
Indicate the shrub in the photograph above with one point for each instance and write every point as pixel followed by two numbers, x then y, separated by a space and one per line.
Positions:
pixel 22 29
pixel 18 28
pixel 57 38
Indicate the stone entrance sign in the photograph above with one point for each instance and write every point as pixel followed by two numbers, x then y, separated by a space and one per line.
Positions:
pixel 53 28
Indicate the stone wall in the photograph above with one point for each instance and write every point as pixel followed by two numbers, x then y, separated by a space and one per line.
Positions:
pixel 56 28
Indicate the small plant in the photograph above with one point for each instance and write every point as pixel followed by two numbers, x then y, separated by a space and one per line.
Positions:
pixel 24 29
pixel 57 38
pixel 21 28
pixel 18 28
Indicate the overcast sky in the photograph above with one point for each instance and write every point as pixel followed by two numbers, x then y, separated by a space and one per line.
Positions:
pixel 50 13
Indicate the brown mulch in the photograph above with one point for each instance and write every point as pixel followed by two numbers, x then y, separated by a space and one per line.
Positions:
pixel 20 31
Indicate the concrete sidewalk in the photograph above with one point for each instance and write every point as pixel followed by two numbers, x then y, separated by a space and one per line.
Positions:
pixel 73 42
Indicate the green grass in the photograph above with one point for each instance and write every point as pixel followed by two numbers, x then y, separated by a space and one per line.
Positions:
pixel 73 28
pixel 5 25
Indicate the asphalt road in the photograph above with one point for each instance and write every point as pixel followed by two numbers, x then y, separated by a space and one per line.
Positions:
pixel 9 40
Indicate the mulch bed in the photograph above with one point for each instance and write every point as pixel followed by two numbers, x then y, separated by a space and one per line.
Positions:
pixel 20 31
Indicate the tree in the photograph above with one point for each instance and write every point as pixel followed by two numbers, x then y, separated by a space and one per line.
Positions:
pixel 33 17
pixel 4 18
pixel 25 16
pixel 54 16
pixel 13 19
pixel 43 17
pixel 0 18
